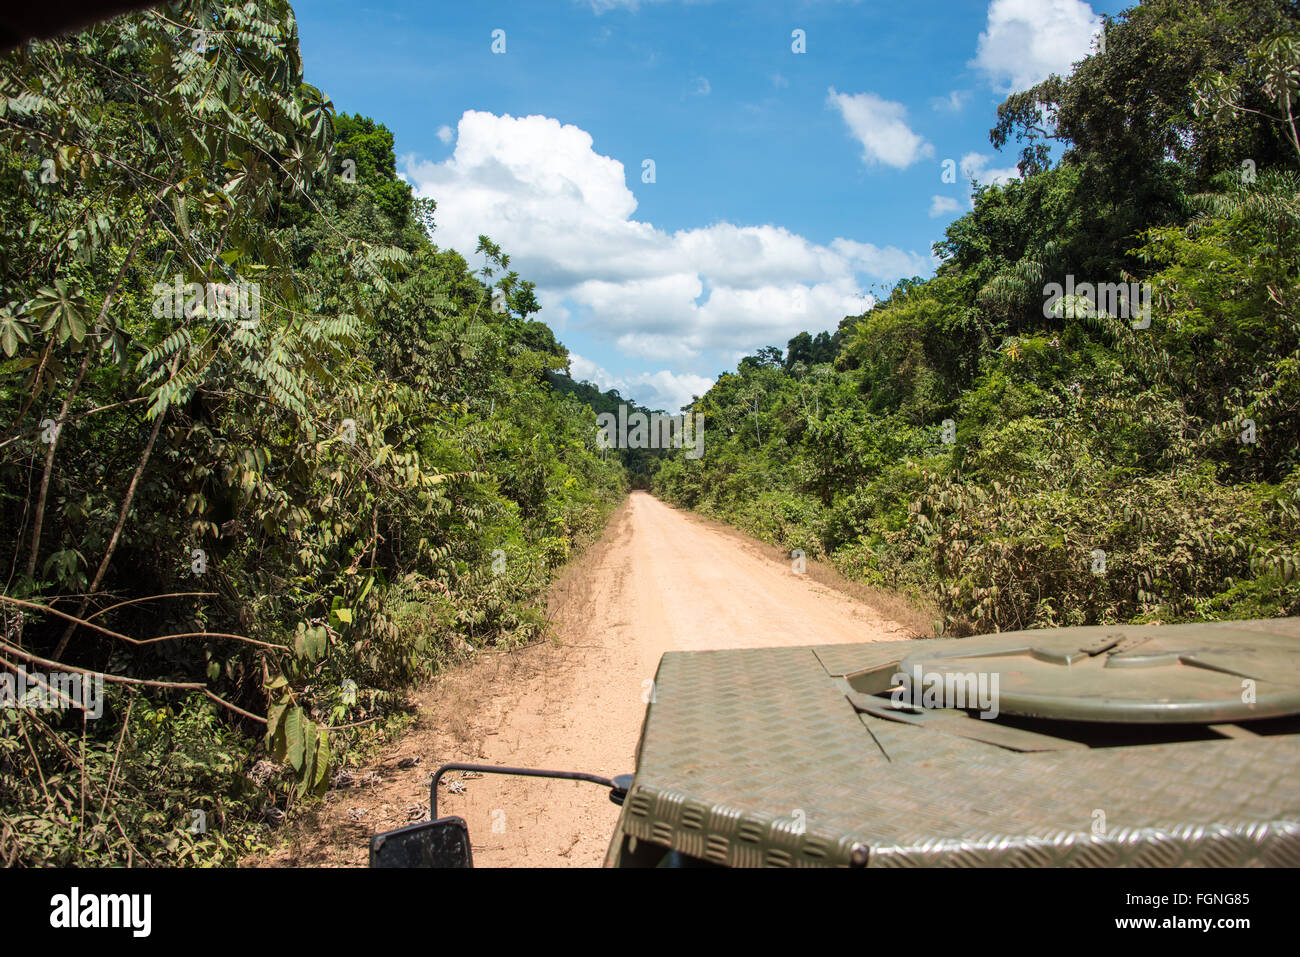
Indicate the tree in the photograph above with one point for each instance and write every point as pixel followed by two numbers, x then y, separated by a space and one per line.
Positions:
pixel 798 350
pixel 1273 68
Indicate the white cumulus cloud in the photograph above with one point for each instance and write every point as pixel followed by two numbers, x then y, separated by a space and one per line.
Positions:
pixel 976 166
pixel 1025 41
pixel 565 215
pixel 940 205
pixel 887 261
pixel 881 127
pixel 664 389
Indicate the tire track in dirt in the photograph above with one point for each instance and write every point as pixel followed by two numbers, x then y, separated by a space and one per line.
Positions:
pixel 658 580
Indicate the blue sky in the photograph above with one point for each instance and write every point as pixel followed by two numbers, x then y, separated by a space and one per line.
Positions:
pixel 787 186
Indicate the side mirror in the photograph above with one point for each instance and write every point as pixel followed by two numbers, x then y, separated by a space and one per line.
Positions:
pixel 444 841
pixel 440 843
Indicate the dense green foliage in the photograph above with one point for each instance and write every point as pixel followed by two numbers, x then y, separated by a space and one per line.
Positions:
pixel 1092 469
pixel 261 525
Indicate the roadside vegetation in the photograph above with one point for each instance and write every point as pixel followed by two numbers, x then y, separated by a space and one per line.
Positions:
pixel 1023 458
pixel 269 455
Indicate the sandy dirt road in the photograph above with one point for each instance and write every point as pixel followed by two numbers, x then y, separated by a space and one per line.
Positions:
pixel 659 580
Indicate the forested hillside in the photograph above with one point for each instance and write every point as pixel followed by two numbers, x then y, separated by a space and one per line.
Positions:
pixel 268 453
pixel 639 464
pixel 1005 443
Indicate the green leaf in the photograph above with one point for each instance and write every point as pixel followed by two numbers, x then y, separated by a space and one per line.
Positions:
pixel 273 718
pixel 295 738
pixel 308 751
pixel 322 762
pixel 319 643
pixel 12 332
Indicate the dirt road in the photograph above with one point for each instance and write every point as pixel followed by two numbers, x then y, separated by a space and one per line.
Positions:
pixel 659 580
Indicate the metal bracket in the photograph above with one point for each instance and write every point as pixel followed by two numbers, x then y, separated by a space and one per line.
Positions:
pixel 618 786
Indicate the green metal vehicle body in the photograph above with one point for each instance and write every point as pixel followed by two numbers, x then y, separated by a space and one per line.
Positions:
pixel 1111 746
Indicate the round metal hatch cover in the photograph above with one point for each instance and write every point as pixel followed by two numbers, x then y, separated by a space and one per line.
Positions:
pixel 1189 674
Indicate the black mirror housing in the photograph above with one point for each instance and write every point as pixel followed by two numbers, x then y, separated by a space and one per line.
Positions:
pixel 440 843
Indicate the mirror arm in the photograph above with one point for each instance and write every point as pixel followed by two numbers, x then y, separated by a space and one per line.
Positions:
pixel 618 787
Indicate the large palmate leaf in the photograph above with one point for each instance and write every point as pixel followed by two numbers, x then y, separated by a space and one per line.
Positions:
pixel 60 309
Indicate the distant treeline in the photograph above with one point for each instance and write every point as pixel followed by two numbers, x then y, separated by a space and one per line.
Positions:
pixel 640 464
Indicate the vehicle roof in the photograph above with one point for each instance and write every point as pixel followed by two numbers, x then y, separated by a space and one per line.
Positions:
pixel 784 757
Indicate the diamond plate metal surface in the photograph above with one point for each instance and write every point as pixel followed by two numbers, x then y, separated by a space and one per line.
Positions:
pixel 757 758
